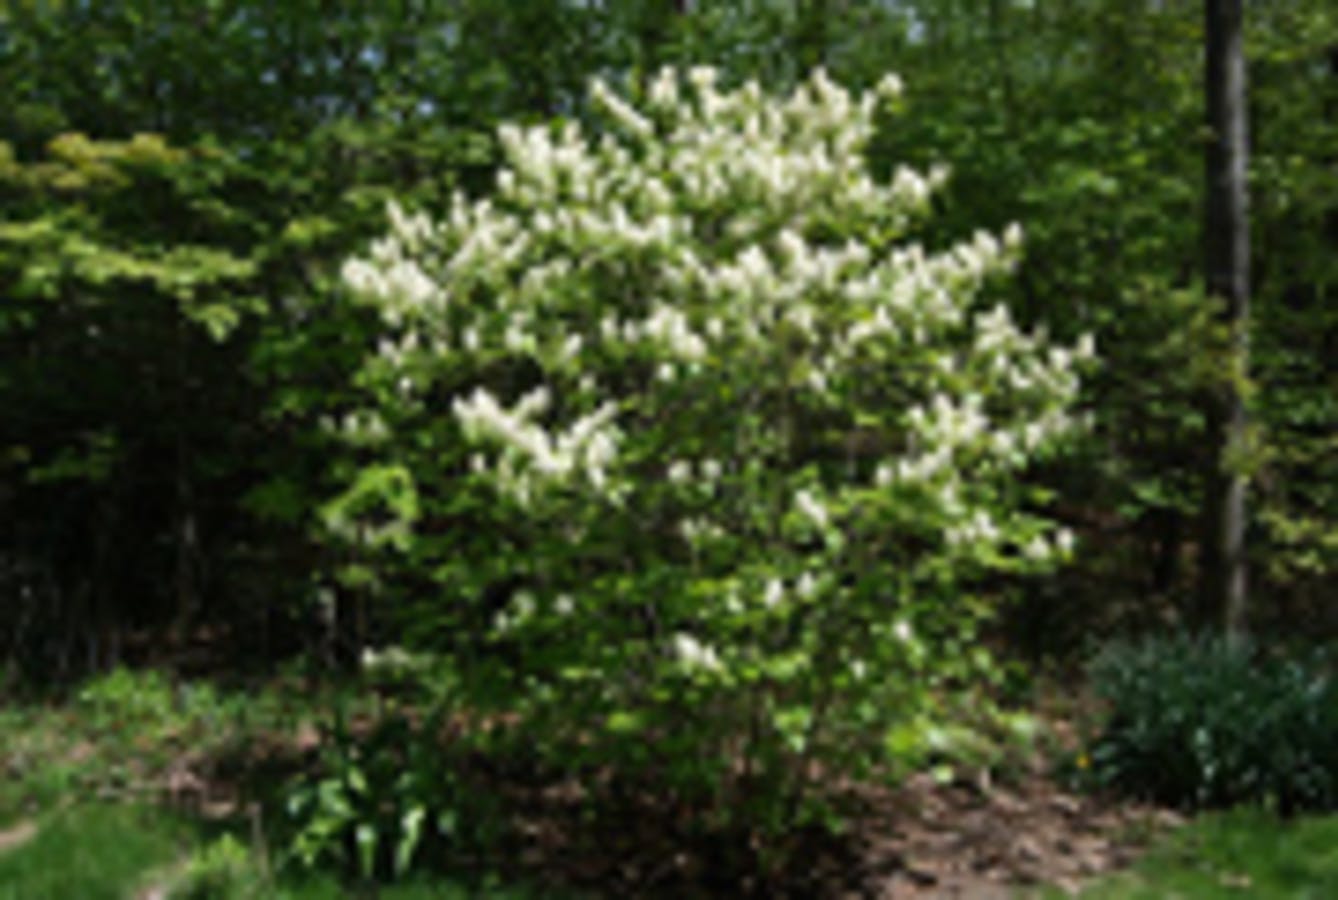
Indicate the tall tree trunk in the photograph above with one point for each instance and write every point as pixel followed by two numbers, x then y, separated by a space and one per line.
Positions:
pixel 1223 583
pixel 186 527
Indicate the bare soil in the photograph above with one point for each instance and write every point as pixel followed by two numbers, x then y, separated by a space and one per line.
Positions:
pixel 971 838
pixel 17 835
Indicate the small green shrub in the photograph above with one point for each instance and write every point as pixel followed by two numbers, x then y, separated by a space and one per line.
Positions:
pixel 148 704
pixel 124 698
pixel 384 800
pixel 221 870
pixel 1202 722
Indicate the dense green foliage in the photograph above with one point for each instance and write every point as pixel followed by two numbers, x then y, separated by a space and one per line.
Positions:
pixel 1202 722
pixel 172 340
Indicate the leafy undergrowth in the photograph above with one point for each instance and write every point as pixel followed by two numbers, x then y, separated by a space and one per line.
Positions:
pixel 143 789
pixel 1233 855
pixel 141 737
pixel 120 851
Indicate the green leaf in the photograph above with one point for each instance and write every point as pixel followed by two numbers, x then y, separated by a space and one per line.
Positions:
pixel 624 722
pixel 411 833
pixel 365 838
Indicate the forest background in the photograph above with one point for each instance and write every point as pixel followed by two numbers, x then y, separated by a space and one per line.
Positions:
pixel 182 182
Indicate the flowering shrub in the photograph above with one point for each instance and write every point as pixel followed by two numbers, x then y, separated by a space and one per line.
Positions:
pixel 686 451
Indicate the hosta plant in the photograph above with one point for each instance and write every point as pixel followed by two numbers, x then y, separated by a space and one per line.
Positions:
pixel 685 455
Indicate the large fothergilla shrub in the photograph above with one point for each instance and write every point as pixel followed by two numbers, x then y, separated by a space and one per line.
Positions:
pixel 680 449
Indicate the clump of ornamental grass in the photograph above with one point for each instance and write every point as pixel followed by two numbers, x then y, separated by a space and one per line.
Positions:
pixel 681 454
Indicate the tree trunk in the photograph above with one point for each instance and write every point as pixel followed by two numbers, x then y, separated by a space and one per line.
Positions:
pixel 186 537
pixel 1223 582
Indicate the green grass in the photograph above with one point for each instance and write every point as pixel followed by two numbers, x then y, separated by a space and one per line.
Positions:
pixel 107 852
pixel 90 852
pixel 115 738
pixel 423 890
pixel 1236 855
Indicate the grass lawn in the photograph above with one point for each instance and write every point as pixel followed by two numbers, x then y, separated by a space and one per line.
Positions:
pixel 90 852
pixel 123 852
pixel 1237 854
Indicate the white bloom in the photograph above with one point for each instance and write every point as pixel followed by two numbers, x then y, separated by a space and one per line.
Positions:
pixel 571 348
pixel 694 654
pixel 515 339
pixel 1037 550
pixel 889 86
pixel 620 110
pixel 524 604
pixel 811 508
pixel 664 89
pixel 1086 348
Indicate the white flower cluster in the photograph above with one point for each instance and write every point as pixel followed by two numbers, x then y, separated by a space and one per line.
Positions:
pixel 360 428
pixel 394 660
pixel 588 446
pixel 812 509
pixel 775 591
pixel 695 655
pixel 727 260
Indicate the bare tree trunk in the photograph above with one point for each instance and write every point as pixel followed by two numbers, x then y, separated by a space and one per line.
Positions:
pixel 1223 582
pixel 186 537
